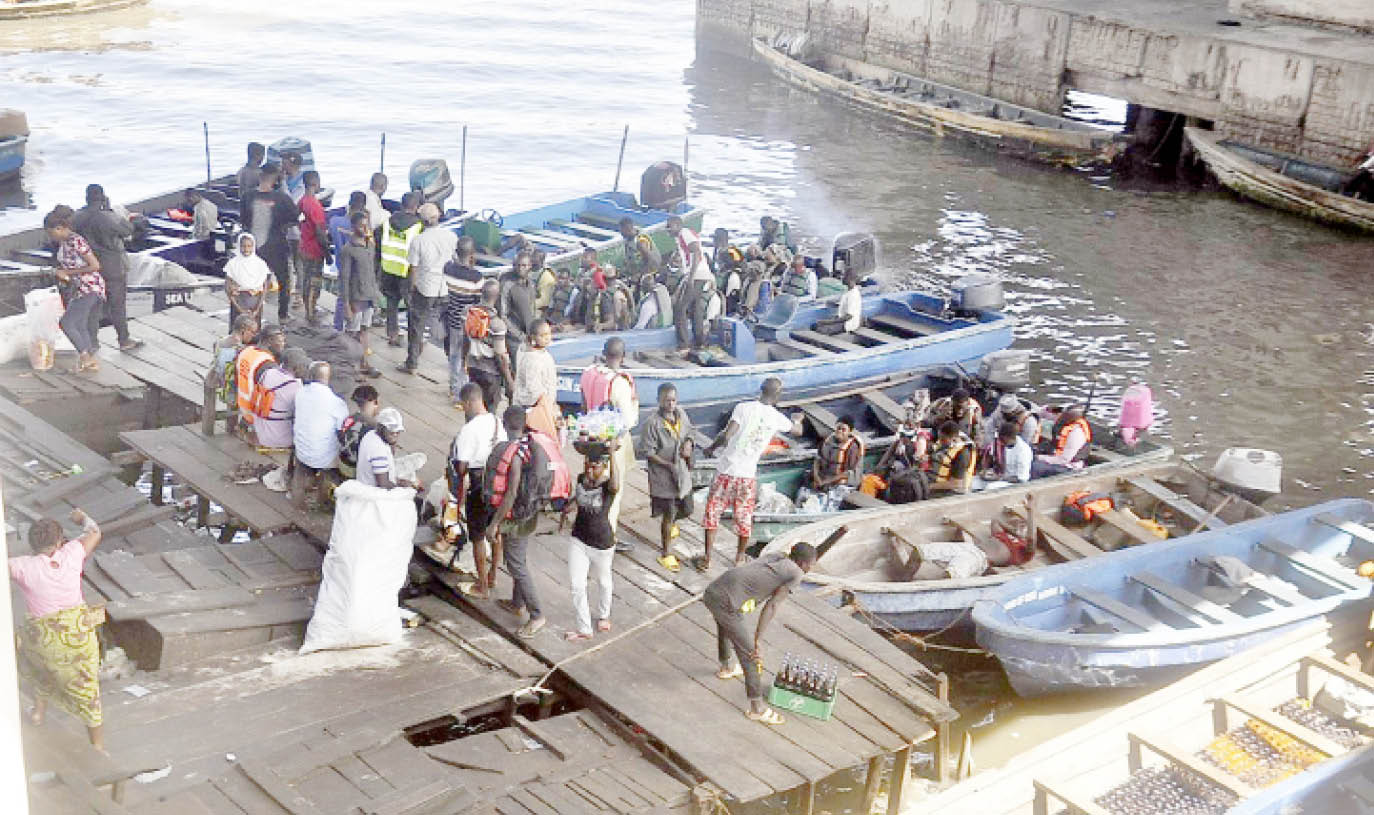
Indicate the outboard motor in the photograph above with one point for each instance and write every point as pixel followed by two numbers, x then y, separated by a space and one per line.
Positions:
pixel 663 186
pixel 292 144
pixel 1255 475
pixel 1006 371
pixel 1137 413
pixel 430 176
pixel 854 251
pixel 976 292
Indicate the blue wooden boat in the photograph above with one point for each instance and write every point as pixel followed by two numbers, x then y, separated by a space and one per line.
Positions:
pixel 869 565
pixel 1143 616
pixel 1341 785
pixel 563 230
pixel 902 331
pixel 14 135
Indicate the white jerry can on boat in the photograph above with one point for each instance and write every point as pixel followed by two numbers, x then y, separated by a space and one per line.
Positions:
pixel 1255 474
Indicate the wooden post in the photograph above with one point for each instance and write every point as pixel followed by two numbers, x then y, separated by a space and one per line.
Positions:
pixel 546 701
pixel 965 769
pixel 207 407
pixel 808 795
pixel 897 785
pixel 202 511
pixel 157 478
pixel 227 532
pixel 871 783
pixel 942 735
pixel 117 790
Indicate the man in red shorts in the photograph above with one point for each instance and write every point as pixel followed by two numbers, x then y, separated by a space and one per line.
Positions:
pixel 752 426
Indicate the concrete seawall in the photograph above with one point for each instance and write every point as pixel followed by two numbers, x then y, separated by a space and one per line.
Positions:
pixel 1304 90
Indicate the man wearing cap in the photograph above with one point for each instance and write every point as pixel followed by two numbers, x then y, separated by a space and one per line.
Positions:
pixel 431 250
pixel 1010 408
pixel 376 456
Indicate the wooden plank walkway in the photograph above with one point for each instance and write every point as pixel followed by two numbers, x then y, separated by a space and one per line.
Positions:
pixel 663 678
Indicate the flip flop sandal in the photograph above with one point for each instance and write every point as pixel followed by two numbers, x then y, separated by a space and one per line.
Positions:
pixel 604 626
pixel 769 717
pixel 670 563
pixel 730 673
pixel 674 532
pixel 529 629
pixel 576 636
pixel 506 605
pixel 700 564
pixel 472 590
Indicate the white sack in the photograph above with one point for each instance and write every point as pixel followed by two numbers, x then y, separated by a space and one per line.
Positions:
pixel 364 569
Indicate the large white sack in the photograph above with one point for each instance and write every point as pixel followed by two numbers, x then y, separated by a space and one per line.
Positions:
pixel 364 569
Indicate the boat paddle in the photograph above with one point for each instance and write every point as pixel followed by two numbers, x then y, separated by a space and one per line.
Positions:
pixel 832 539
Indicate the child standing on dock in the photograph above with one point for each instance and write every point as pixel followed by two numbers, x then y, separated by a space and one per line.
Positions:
pixel 665 442
pixel 358 285
pixel 591 547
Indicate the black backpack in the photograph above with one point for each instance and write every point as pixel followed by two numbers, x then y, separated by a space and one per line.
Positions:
pixel 536 478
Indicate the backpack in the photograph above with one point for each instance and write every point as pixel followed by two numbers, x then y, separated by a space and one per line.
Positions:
pixel 1082 506
pixel 350 435
pixel 477 323
pixel 536 477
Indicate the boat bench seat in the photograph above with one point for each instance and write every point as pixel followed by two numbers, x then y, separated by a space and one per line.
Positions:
pixel 607 223
pixel 802 347
pixel 492 260
pixel 903 326
pixel 1136 617
pixel 1198 605
pixel 1177 502
pixel 862 500
pixel 1322 567
pixel 889 413
pixel 663 360
pixel 557 239
pixel 1351 528
pixel 875 337
pixel 1128 525
pixel 829 342
pixel 586 229
pixel 820 418
pixel 1064 541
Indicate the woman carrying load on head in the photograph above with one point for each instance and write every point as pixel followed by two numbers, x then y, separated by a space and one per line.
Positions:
pixel 59 653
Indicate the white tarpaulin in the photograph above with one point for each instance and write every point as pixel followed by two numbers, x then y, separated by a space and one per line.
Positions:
pixel 364 569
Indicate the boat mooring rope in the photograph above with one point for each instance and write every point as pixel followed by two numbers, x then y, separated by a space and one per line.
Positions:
pixel 924 643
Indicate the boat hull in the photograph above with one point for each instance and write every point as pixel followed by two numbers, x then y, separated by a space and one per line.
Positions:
pixel 1060 145
pixel 1030 623
pixel 1252 180
pixel 12 155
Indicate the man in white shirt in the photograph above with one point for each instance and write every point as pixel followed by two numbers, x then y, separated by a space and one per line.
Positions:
pixel 752 426
pixel 431 250
pixel 1009 459
pixel 850 313
pixel 376 459
pixel 468 455
pixel 377 214
pixel 320 412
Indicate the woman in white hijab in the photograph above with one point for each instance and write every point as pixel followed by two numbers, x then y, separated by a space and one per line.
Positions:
pixel 246 280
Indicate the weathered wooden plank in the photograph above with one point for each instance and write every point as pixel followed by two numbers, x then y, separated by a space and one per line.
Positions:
pixel 152 605
pixel 193 571
pixel 295 550
pixel 291 800
pixel 132 576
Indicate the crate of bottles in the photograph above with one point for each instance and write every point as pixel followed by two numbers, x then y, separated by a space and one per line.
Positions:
pixel 805 686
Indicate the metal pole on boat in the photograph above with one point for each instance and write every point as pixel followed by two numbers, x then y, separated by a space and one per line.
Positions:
pixel 381 163
pixel 623 138
pixel 463 170
pixel 205 126
pixel 685 141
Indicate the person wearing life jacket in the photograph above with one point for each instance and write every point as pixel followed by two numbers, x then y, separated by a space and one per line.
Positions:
pixel 250 364
pixel 224 356
pixel 1067 446
pixel 756 295
pixel 595 306
pixel 690 301
pixel 655 305
pixel 840 460
pixel 515 514
pixel 606 383
pixel 485 352
pixel 773 232
pixel 799 281
pixel 1011 408
pixel 545 278
pixel 962 409
pixel 400 230
pixel 953 462
pixel 641 255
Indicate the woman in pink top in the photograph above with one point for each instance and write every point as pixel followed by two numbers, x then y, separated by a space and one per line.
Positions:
pixel 59 654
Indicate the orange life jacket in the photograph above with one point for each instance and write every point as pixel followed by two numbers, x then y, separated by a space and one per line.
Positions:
pixel 1061 437
pixel 1082 506
pixel 942 461
pixel 248 365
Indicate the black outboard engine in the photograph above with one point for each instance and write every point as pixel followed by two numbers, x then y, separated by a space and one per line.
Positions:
pixel 430 176
pixel 854 251
pixel 975 293
pixel 1006 371
pixel 663 186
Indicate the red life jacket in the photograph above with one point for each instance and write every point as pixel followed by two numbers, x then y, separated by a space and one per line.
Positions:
pixel 1082 506
pixel 562 476
pixel 596 385
pixel 248 367
pixel 1061 437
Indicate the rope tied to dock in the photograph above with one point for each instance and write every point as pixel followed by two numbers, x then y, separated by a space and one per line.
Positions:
pixel 538 687
pixel 924 643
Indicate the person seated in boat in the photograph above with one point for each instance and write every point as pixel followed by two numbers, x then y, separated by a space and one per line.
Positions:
pixel 1014 409
pixel 621 297
pixel 953 461
pixel 849 313
pixel 596 304
pixel 641 255
pixel 1067 446
pixel 910 450
pixel 1361 184
pixel 756 295
pixel 962 409
pixel 561 299
pixel 1008 459
pixel 773 232
pixel 840 460
pixel 655 304
pixel 947 560
pixel 204 214
pixel 589 268
pixel 799 280
pixel 545 278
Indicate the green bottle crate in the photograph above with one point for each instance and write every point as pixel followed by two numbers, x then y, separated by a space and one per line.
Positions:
pixel 784 699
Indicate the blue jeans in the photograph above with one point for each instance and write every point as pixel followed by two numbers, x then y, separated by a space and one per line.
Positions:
pixel 81 320
pixel 457 377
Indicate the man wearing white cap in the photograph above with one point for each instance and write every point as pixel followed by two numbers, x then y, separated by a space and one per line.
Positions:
pixel 376 458
pixel 434 247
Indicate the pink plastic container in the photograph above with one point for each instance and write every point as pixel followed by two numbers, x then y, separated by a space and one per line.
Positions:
pixel 1137 411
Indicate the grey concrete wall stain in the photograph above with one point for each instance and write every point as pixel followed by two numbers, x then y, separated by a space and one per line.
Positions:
pixel 1029 54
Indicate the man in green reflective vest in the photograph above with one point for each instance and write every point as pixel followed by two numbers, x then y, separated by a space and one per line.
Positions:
pixel 397 234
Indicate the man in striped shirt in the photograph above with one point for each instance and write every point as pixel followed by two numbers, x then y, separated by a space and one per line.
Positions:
pixel 464 289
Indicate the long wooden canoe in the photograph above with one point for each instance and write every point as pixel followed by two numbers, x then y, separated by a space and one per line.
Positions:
pixel 1220 735
pixel 943 110
pixel 1267 177
pixel 867 565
